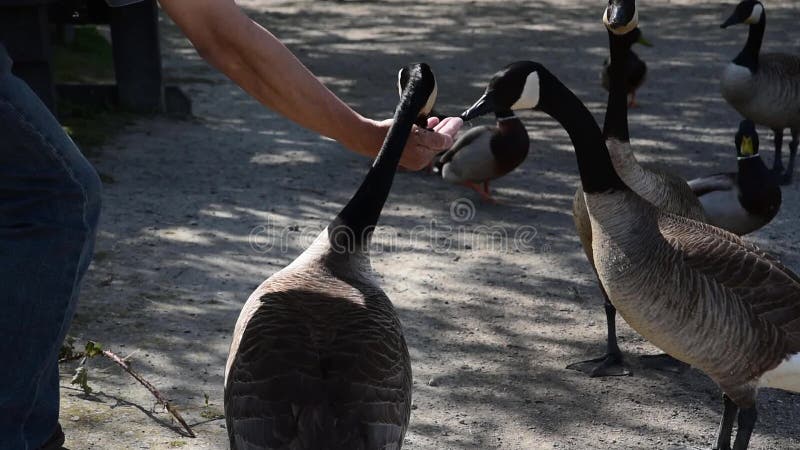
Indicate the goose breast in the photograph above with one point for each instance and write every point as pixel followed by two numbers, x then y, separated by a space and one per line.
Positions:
pixel 772 96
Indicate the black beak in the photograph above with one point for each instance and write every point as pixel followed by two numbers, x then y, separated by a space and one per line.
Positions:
pixel 483 106
pixel 732 20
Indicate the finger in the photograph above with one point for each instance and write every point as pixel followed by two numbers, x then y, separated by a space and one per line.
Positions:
pixel 434 141
pixel 432 122
pixel 449 126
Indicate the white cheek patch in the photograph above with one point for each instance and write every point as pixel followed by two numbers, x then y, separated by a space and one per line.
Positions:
pixel 431 100
pixel 755 16
pixel 400 82
pixel 530 93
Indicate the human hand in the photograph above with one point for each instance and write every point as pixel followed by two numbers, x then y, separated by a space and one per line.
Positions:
pixel 423 145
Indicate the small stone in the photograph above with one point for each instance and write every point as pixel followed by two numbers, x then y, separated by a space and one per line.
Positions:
pixel 75 418
pixel 433 382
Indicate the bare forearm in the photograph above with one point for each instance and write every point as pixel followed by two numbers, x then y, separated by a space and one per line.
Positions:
pixel 259 63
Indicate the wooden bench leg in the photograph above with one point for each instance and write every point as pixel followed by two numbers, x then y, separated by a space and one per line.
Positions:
pixel 137 57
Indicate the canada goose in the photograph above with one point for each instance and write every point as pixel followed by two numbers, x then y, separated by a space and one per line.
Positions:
pixel 665 190
pixel 635 68
pixel 485 153
pixel 695 291
pixel 744 201
pixel 764 88
pixel 318 359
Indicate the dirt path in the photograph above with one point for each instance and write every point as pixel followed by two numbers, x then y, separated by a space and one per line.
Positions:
pixel 490 323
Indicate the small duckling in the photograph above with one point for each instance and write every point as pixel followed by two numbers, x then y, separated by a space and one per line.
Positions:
pixel 635 68
pixel 745 201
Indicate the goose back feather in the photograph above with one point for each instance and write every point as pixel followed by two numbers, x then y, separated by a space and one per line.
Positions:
pixel 319 361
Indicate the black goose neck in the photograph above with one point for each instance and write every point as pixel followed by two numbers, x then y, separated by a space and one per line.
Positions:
pixel 616 120
pixel 352 228
pixel 594 163
pixel 748 57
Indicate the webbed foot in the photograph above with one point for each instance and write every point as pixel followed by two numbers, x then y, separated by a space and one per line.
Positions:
pixel 609 365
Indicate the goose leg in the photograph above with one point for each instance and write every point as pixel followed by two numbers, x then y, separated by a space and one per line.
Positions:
pixel 729 410
pixel 746 421
pixel 787 176
pixel 611 364
pixel 777 162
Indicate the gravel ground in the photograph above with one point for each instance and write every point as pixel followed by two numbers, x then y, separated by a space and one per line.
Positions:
pixel 198 212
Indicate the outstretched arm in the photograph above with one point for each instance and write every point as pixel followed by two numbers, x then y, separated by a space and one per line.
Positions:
pixel 260 64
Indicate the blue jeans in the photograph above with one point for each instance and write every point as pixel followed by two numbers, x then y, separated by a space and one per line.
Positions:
pixel 49 207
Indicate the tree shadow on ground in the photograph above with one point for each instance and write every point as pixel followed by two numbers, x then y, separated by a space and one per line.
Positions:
pixel 202 211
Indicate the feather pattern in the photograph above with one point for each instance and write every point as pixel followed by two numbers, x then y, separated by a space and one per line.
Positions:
pixel 318 359
pixel 662 189
pixel 682 284
pixel 299 380
pixel 486 152
pixel 771 95
pixel 471 157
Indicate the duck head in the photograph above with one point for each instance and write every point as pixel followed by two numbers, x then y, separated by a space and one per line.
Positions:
pixel 404 75
pixel 621 16
pixel 514 87
pixel 749 12
pixel 746 139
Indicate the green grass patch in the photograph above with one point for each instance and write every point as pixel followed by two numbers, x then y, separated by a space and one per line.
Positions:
pixel 87 59
pixel 91 126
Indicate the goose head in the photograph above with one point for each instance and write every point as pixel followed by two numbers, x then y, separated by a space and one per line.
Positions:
pixel 749 12
pixel 621 16
pixel 515 87
pixel 403 77
pixel 746 139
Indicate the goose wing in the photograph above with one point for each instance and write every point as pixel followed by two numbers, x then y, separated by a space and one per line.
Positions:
pixel 314 371
pixel 778 78
pixel 712 183
pixel 758 281
pixel 782 64
pixel 678 197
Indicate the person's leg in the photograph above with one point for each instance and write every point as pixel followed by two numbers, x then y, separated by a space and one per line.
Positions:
pixel 49 207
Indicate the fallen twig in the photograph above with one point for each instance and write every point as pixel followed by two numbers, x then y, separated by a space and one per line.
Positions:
pixel 172 410
pixel 94 349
